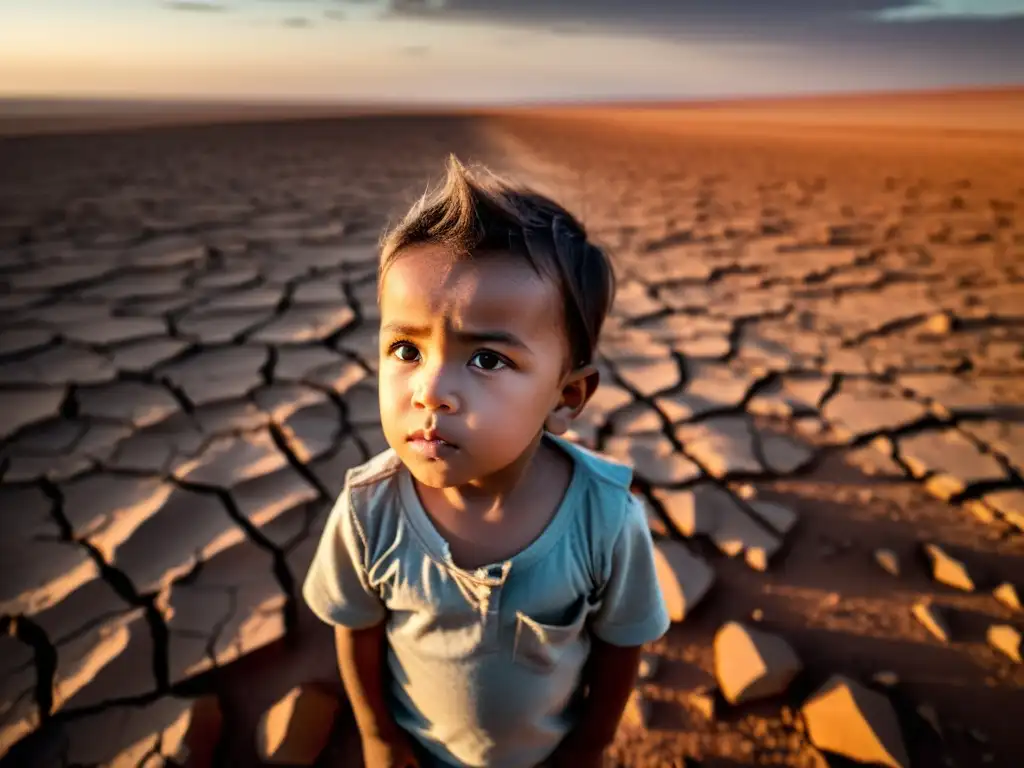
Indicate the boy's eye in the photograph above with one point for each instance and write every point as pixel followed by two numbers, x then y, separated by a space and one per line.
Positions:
pixel 488 361
pixel 407 353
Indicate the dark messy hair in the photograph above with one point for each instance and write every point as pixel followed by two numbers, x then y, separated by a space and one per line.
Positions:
pixel 475 218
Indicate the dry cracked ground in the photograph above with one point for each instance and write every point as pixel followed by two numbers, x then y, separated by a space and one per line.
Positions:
pixel 814 364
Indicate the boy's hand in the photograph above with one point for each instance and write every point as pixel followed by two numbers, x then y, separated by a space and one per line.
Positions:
pixel 393 753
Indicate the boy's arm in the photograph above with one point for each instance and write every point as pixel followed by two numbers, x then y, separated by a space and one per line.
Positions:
pixel 338 590
pixel 610 676
pixel 632 613
pixel 361 660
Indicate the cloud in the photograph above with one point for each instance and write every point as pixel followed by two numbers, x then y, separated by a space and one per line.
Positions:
pixel 296 22
pixel 698 16
pixel 193 5
pixel 925 10
pixel 415 50
pixel 335 15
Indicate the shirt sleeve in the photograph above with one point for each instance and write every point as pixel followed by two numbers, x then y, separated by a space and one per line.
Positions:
pixel 336 587
pixel 632 610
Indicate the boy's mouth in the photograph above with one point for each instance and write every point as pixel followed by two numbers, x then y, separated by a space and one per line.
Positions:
pixel 430 444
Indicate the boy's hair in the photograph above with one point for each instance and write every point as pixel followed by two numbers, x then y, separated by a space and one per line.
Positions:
pixel 475 218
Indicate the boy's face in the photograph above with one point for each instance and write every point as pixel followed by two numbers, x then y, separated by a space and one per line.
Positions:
pixel 472 353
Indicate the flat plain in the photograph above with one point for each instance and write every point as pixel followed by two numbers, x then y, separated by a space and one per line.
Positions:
pixel 814 364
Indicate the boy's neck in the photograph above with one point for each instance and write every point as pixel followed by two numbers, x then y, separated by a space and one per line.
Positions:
pixel 490 523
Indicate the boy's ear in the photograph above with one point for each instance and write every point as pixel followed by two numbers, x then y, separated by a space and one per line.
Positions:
pixel 578 388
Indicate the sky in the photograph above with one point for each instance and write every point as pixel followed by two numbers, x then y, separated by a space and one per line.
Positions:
pixel 501 51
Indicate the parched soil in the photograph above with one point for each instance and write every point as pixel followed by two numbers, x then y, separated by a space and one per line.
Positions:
pixel 819 320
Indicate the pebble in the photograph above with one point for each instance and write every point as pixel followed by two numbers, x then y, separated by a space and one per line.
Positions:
pixel 886 678
pixel 1006 639
pixel 939 324
pixel 752 664
pixel 648 666
pixel 703 700
pixel 1007 594
pixel 746 491
pixel 888 561
pixel 932 619
pixel 947 569
pixel 846 718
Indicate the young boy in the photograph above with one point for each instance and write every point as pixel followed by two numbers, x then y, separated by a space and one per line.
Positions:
pixel 490 583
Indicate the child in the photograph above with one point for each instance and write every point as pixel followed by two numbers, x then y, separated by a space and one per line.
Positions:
pixel 490 583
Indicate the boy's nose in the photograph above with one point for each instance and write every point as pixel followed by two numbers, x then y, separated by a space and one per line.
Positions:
pixel 433 392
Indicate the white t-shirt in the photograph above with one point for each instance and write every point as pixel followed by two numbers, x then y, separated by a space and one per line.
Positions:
pixel 486 664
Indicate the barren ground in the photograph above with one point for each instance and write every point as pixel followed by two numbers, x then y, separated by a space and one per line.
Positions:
pixel 821 305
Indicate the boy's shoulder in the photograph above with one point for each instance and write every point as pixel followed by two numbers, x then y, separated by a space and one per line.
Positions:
pixel 599 468
pixel 373 488
pixel 380 468
pixel 606 485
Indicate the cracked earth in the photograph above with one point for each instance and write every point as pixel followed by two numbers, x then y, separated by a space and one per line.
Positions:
pixel 814 364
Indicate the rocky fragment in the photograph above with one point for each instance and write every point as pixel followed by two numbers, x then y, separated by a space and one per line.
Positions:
pixel 637 714
pixel 107 508
pixel 39 573
pixel 648 666
pixel 948 461
pixel 947 570
pixel 1009 504
pixel 855 722
pixel 952 395
pixel 1006 639
pixel 295 730
pixel 854 414
pixel 229 461
pixel 932 619
pixel 788 396
pixel 233 606
pixel 683 577
pixel 752 664
pixel 142 355
pixel 188 528
pixel 723 445
pixel 735 532
pixel 886 678
pixel 127 674
pixel 688 516
pixel 653 458
pixel 649 376
pixel 779 518
pixel 939 324
pixel 704 699
pixel 888 561
pixel 26 406
pixel 127 735
pixel 312 431
pixel 1008 594
pixel 132 402
pixel 304 323
pixel 709 388
pixel 782 454
pixel 218 373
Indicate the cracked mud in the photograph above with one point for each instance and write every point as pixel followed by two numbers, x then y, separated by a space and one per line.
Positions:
pixel 814 363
